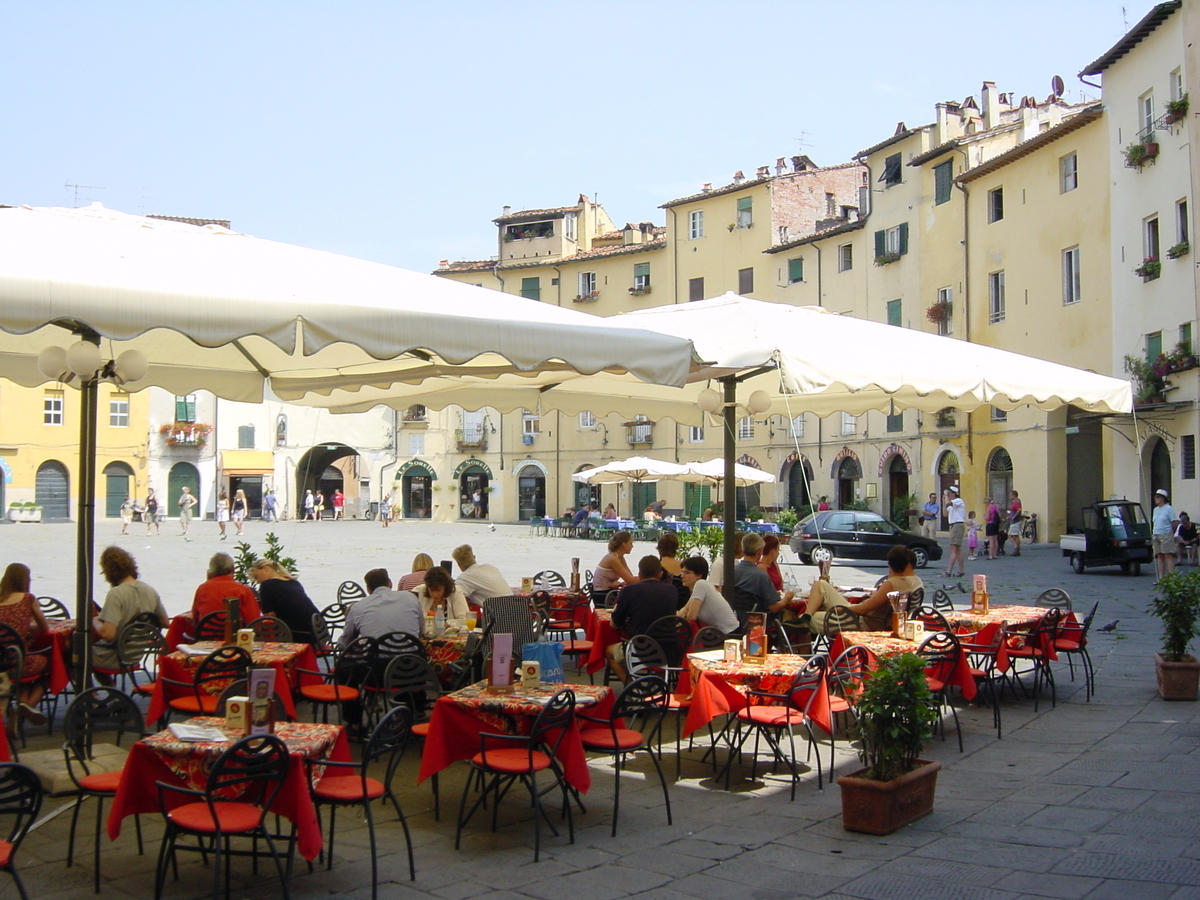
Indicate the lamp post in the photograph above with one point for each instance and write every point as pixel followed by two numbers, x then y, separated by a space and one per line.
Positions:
pixel 84 362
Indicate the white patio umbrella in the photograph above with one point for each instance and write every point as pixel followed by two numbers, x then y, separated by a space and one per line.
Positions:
pixel 635 468
pixel 206 308
pixel 712 473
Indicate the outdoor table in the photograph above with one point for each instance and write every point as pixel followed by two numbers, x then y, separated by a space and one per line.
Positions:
pixel 284 658
pixel 602 633
pixel 459 718
pixel 719 687
pixel 163 757
pixel 444 650
pixel 675 526
pixel 763 527
pixel 58 641
pixel 180 630
pixel 1018 617
pixel 881 643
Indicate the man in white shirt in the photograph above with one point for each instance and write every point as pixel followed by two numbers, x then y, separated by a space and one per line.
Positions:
pixel 956 516
pixel 1164 525
pixel 478 581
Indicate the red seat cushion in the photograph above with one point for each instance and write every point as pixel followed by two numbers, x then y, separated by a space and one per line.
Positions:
pixel 679 701
pixel 233 817
pixel 146 687
pixel 777 716
pixel 206 704
pixel 346 788
pixel 838 704
pixel 5 853
pixel 602 739
pixel 421 729
pixel 511 760
pixel 101 782
pixel 328 693
pixel 1064 644
pixel 935 684
pixel 577 647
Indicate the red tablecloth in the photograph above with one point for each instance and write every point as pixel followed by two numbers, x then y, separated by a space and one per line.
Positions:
pixel 718 688
pixel 5 753
pixel 602 633
pixel 58 640
pixel 881 643
pixel 285 659
pixel 1019 617
pixel 161 757
pixel 459 718
pixel 180 631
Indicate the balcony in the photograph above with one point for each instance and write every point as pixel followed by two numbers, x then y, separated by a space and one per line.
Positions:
pixel 639 433
pixel 415 414
pixel 471 439
pixel 185 434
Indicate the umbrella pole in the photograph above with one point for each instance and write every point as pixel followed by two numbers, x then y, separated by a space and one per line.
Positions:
pixel 729 421
pixel 85 531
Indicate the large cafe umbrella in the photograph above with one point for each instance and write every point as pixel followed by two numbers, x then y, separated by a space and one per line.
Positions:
pixel 92 294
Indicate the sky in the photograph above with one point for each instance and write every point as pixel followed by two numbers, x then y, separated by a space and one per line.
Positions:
pixel 397 131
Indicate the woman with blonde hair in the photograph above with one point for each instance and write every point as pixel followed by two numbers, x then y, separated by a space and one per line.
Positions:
pixel 239 509
pixel 282 596
pixel 222 512
pixel 612 571
pixel 421 564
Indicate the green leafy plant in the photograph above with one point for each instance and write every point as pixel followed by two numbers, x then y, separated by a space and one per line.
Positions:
pixel 896 716
pixel 860 505
pixel 1176 110
pixel 1176 604
pixel 1178 250
pixel 1151 267
pixel 884 259
pixel 900 508
pixel 1148 383
pixel 245 558
pixel 786 519
pixel 1139 153
pixel 707 542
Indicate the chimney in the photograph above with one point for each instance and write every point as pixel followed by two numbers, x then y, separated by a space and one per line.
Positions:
pixel 763 172
pixel 707 186
pixel 738 177
pixel 443 263
pixel 779 166
pixel 942 126
pixel 507 210
pixel 991 105
pixel 797 163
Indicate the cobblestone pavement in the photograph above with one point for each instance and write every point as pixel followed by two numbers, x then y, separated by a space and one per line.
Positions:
pixel 1080 800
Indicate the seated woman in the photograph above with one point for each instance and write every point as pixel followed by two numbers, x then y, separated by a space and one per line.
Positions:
pixel 668 546
pixel 421 564
pixel 706 604
pixel 613 572
pixel 1186 540
pixel 610 512
pixel 651 514
pixel 770 564
pixel 20 611
pixel 875 613
pixel 282 596
pixel 439 589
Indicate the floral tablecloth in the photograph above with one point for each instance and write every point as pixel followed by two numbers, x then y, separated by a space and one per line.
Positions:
pixel 1018 617
pixel 881 643
pixel 720 687
pixel 444 650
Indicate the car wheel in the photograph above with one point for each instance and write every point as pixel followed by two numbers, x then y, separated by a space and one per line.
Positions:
pixel 821 554
pixel 1077 563
pixel 1131 568
pixel 922 557
pixel 805 559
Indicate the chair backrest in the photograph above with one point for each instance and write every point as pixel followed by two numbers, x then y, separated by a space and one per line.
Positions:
pixel 99 711
pixel 934 620
pixel 940 647
pixel 388 739
pixel 21 799
pixel 553 722
pixel 12 663
pixel 642 704
pixel 53 608
pixel 254 768
pixel 839 619
pixel 409 680
pixel 1055 597
pixel 223 664
pixel 848 671
pixel 941 601
pixel 610 599
pixel 549 578
pixel 10 637
pixel 211 627
pixel 508 615
pixel 674 635
pixel 395 643
pixel 349 591
pixel 644 656
pixel 540 600
pixel 139 638
pixel 916 598
pixel 269 628
pixel 241 688
pixel 322 639
pixel 807 683
pixel 708 638
pixel 356 662
pixel 469 667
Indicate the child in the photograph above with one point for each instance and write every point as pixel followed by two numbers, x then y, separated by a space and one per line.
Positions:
pixel 972 534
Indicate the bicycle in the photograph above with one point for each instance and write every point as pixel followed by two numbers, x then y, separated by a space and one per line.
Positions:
pixel 1029 528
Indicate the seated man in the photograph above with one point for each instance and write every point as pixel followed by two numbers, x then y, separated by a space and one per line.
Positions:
pixel 639 606
pixel 706 603
pixel 579 522
pixel 478 581
pixel 752 587
pixel 875 613
pixel 1186 540
pixel 382 611
pixel 210 596
pixel 129 597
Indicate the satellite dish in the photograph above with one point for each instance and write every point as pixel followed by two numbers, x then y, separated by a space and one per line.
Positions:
pixel 1056 85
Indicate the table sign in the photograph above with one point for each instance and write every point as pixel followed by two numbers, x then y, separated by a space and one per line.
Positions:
pixel 233 618
pixel 237 714
pixel 733 651
pixel 575 574
pixel 245 639
pixel 979 594
pixel 261 684
pixel 531 674
pixel 500 671
pixel 756 638
pixel 914 630
pixel 527 585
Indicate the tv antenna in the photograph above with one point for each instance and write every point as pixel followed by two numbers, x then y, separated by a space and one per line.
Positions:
pixel 87 187
pixel 802 141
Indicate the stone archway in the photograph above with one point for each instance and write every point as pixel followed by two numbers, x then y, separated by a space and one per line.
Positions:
pixel 118 485
pixel 316 471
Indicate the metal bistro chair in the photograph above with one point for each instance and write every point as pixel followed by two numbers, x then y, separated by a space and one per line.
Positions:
pixel 548 578
pixel 941 602
pixel 1054 598
pixel 344 681
pixel 410 680
pixel 350 591
pixel 53 608
pixel 271 629
pixel 223 665
pixel 508 615
pixel 942 653
pixel 211 627
pixel 21 798
pixel 1072 640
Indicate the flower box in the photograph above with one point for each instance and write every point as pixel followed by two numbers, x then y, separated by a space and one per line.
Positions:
pixel 1150 268
pixel 24 514
pixel 884 259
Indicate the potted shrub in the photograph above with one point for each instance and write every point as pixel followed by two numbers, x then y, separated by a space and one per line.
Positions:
pixel 1176 110
pixel 1139 153
pixel 1151 267
pixel 1178 250
pixel 884 259
pixel 1176 604
pixel 896 716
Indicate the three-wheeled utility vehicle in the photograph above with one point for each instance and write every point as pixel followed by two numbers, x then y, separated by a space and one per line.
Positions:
pixel 1115 533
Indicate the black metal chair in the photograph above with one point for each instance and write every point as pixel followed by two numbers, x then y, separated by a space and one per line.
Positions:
pixel 837 620
pixel 1055 598
pixel 930 617
pixel 21 799
pixel 942 653
pixel 674 635
pixel 708 638
pixel 215 671
pixel 344 681
pixel 99 715
pixel 349 592
pixel 846 675
pixel 410 680
pixel 53 608
pixel 269 628
pixel 1032 647
pixel 322 644
pixel 253 769
pixel 241 688
pixel 335 619
pixel 139 639
pixel 211 627
pixel 1071 641
pixel 941 602
pixel 508 615
pixel 348 784
pixel 548 578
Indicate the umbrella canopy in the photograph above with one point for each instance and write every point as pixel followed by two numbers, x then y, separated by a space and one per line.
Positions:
pixel 636 468
pixel 713 473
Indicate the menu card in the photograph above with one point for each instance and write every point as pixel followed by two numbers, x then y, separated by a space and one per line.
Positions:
pixel 262 701
pixel 196 732
pixel 756 637
pixel 501 669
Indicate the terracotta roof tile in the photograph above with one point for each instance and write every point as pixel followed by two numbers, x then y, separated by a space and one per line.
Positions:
pixel 525 215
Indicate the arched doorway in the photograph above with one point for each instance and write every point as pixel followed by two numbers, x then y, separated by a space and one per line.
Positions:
pixel 587 493
pixel 898 472
pixel 416 489
pixel 316 472
pixel 1159 470
pixel 118 484
pixel 948 474
pixel 182 474
pixel 798 474
pixel 1000 477
pixel 471 477
pixel 846 475
pixel 531 491
pixel 52 490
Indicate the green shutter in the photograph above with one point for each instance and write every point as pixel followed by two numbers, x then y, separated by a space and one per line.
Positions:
pixel 1153 346
pixel 745 203
pixel 942 180
pixel 795 270
pixel 531 288
pixel 641 269
pixel 880 243
pixel 894 312
pixel 903 238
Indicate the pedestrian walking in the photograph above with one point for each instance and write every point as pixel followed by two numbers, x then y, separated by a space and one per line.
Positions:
pixel 991 527
pixel 127 508
pixel 270 514
pixel 1015 518
pixel 222 512
pixel 339 503
pixel 1164 525
pixel 239 510
pixel 150 512
pixel 309 506
pixel 956 516
pixel 186 502
pixel 385 510
pixel 972 535
pixel 318 505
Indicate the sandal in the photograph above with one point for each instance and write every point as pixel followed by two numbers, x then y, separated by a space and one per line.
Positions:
pixel 32 714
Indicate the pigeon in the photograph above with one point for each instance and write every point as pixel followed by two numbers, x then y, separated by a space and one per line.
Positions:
pixel 1111 626
pixel 492 527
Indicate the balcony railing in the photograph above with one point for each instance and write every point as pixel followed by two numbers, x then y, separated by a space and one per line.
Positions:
pixel 471 438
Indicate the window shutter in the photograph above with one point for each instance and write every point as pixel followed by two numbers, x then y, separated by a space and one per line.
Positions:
pixel 641 269
pixel 745 203
pixel 795 270
pixel 880 243
pixel 903 238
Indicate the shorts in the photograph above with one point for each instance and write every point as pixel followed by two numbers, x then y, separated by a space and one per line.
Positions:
pixel 239 515
pixel 957 531
pixel 992 529
pixel 1164 543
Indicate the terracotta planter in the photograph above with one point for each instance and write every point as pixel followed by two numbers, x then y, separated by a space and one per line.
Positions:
pixel 881 807
pixel 1177 680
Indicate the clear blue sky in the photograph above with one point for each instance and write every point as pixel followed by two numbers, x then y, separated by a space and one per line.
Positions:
pixel 397 131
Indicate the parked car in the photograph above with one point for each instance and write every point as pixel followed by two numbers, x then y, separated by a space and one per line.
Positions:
pixel 852 534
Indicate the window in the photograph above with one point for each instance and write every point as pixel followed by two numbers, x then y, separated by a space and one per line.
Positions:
pixel 245 437
pixel 587 285
pixel 745 428
pixel 587 419
pixel 745 281
pixel 531 423
pixel 831 206
pixel 569 226
pixel 891 170
pixel 696 435
pixel 1070 275
pixel 845 257
pixel 796 427
pixel 945 299
pixel 415 413
pixel 995 297
pixel 1182 228
pixel 185 408
pixel 696 224
pixel 995 207
pixel 531 288
pixel 1153 346
pixel 943 180
pixel 118 411
pixel 895 422
pixel 416 444
pixel 849 423
pixel 1176 83
pixel 641 277
pixel 1068 170
pixel 52 408
pixel 891 243
pixel 695 289
pixel 999 415
pixel 745 212
pixel 1151 243
pixel 1185 335
pixel 894 313
pixel 1188 452
pixel 1146 115
pixel 795 270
